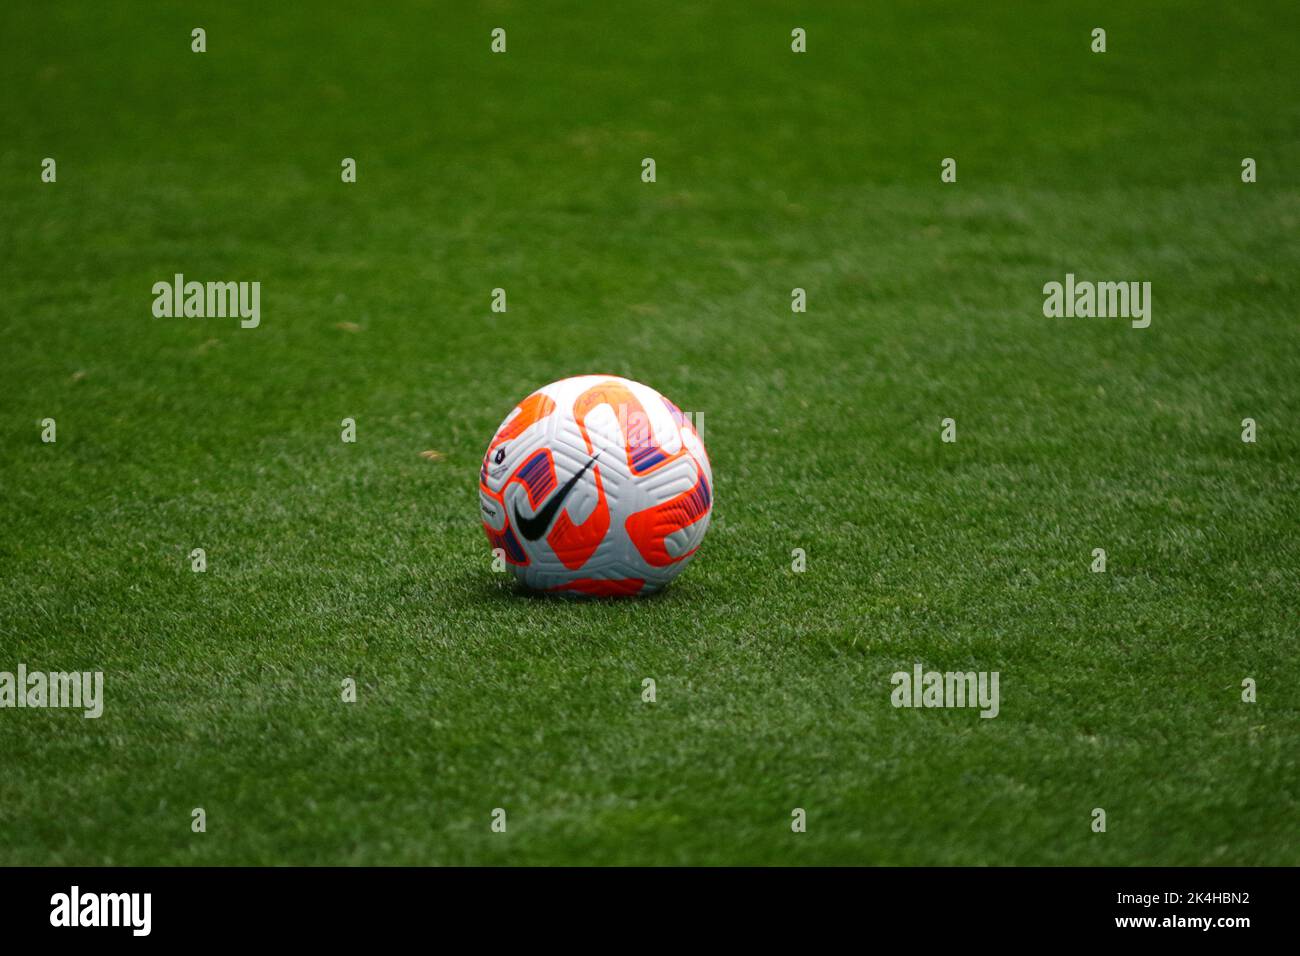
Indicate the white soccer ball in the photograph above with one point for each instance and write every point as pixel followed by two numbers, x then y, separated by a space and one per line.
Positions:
pixel 596 485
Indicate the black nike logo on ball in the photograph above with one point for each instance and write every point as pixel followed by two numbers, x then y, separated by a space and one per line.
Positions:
pixel 534 527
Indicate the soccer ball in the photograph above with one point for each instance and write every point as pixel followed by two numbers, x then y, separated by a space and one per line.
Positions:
pixel 596 485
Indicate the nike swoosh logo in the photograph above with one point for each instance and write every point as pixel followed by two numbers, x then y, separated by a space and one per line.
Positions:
pixel 534 527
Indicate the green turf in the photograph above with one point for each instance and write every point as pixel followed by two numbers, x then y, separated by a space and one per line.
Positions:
pixel 1119 690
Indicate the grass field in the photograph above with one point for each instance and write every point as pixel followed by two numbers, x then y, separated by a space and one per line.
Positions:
pixel 775 170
